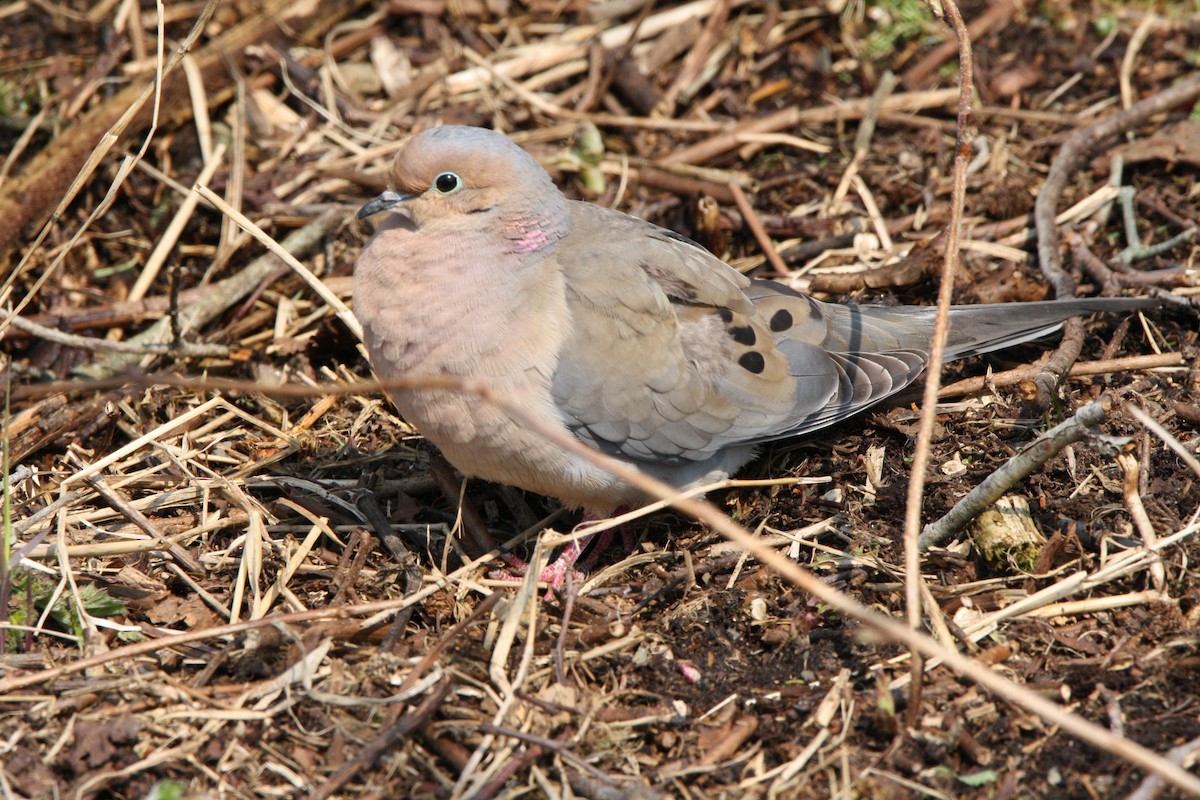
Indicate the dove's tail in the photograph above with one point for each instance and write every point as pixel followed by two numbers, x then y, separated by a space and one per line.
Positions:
pixel 973 329
pixel 981 329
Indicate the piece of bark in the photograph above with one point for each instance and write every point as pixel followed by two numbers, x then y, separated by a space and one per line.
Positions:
pixel 51 419
pixel 1005 536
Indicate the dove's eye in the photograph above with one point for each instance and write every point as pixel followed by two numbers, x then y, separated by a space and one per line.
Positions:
pixel 447 182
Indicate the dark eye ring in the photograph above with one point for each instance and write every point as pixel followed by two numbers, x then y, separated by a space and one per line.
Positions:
pixel 446 182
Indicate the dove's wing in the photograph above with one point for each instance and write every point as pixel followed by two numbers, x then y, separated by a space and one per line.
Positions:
pixel 674 355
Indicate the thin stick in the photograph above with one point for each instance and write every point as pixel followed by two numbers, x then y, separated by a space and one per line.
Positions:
pixel 1152 785
pixel 1078 146
pixel 1130 471
pixel 1131 50
pixel 705 151
pixel 195 84
pixel 1169 440
pixel 316 284
pixel 1086 369
pixel 18 148
pixel 755 225
pixel 539 57
pixel 119 502
pixel 171 235
pixel 182 349
pixel 144 439
pixel 933 373
pixel 866 131
pixel 1017 468
pixel 1093 605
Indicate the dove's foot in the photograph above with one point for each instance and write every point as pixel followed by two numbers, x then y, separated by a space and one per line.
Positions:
pixel 555 573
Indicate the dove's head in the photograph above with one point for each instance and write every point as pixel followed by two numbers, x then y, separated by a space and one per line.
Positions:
pixel 457 178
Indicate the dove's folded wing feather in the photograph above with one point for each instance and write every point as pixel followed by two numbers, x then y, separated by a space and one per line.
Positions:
pixel 673 355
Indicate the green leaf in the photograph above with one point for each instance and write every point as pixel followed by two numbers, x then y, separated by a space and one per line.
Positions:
pixel 980 778
pixel 166 790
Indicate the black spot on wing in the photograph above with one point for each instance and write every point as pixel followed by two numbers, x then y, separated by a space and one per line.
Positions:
pixel 743 334
pixel 725 314
pixel 781 320
pixel 752 362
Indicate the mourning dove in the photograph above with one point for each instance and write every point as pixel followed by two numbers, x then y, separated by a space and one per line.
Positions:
pixel 628 336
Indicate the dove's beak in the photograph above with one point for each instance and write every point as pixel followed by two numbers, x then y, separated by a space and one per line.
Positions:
pixel 385 202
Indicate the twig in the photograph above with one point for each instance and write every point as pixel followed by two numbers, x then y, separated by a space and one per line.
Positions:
pixel 116 499
pixel 368 503
pixel 171 235
pixel 18 147
pixel 705 151
pixel 551 745
pixel 618 69
pixel 1112 281
pixel 350 566
pixel 1095 605
pixel 1140 34
pixel 1112 702
pixel 1045 601
pixel 1187 412
pixel 866 131
pixel 508 766
pixel 933 373
pixel 541 56
pixel 384 741
pixel 1170 441
pixel 332 300
pixel 560 643
pixel 1071 156
pixel 693 62
pixel 1017 468
pixel 1080 370
pixel 1133 504
pixel 755 225
pixel 176 348
pixel 114 314
pixel 1152 785
pixel 994 18
pixel 1134 249
pixel 1059 362
pixel 477 538
pixel 1141 252
pixel 220 296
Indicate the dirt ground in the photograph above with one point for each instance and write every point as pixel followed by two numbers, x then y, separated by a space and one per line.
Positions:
pixel 231 570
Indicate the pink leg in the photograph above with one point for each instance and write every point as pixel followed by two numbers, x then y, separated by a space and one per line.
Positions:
pixel 603 540
pixel 555 572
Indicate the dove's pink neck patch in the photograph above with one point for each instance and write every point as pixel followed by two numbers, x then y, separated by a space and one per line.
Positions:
pixel 527 235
